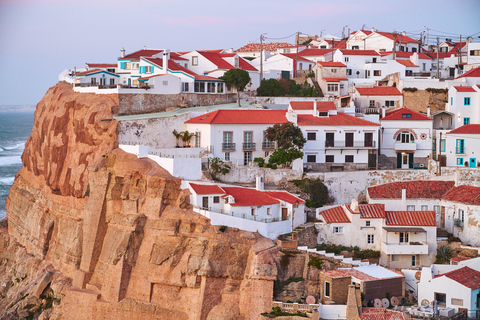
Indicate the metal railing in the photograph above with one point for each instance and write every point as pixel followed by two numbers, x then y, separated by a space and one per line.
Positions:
pixel 245 215
pixel 248 146
pixel 350 144
pixel 458 223
pixel 268 145
pixel 228 146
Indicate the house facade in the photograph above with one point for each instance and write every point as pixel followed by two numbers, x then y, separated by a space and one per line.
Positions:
pixel 384 41
pixel 462 147
pixel 331 77
pixel 356 61
pixel 373 99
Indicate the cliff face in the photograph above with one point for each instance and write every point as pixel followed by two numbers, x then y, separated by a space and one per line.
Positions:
pixel 120 230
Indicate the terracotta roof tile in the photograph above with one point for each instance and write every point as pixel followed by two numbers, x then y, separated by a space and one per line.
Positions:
pixel 411 218
pixel 331 64
pixel 398 114
pixel 249 197
pixel 308 105
pixel 407 63
pixel 267 46
pixel 464 194
pixel 414 189
pixel 206 188
pixel 466 276
pixel 241 117
pixel 441 55
pixel 359 52
pixel 142 53
pixel 459 259
pixel 102 65
pixel 467 129
pixel 471 73
pixel 284 196
pixel 382 314
pixel 372 211
pixel 464 89
pixel 245 65
pixel 216 59
pixel 314 52
pixel 341 119
pixel 293 56
pixel 399 37
pixel 335 79
pixel 335 215
pixel 406 55
pixel 379 91
pixel 176 56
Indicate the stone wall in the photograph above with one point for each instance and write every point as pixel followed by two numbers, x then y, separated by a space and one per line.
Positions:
pixel 420 99
pixel 148 103
pixel 247 174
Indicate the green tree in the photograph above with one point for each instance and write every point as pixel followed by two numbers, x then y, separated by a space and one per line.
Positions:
pixel 236 78
pixel 285 156
pixel 217 166
pixel 444 253
pixel 270 88
pixel 287 135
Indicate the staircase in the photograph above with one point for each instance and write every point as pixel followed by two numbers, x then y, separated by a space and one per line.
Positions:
pixel 442 233
pixel 340 258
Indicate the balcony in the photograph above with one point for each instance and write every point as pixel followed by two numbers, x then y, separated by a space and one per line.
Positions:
pixel 228 146
pixel 248 146
pixel 350 144
pixel 269 145
pixel 405 248
pixel 411 146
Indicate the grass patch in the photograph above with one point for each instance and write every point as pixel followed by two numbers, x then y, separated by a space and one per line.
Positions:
pixel 357 253
pixel 277 312
pixel 315 262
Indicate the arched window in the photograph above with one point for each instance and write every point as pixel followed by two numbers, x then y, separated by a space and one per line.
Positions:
pixel 405 137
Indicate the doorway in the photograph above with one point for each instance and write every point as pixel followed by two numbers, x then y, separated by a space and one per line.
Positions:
pixel 205 202
pixel 473 162
pixel 284 214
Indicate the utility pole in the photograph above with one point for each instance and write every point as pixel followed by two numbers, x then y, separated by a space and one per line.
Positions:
pixel 440 156
pixel 261 57
pixel 333 45
pixel 438 59
pixel 460 55
pixel 394 44
pixel 427 40
pixel 296 59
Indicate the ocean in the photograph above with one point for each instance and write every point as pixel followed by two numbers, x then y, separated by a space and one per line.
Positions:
pixel 15 127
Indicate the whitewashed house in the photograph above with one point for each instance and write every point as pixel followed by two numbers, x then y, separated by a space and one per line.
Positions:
pixel 287 63
pixel 404 238
pixel 356 39
pixel 373 99
pixel 96 78
pixel 464 103
pixel 473 55
pixel 331 77
pixel 252 50
pixel 335 140
pixel 422 60
pixel 457 290
pixel 356 61
pixel 237 136
pixel 384 41
pixel 406 139
pixel 315 55
pixel 462 146
pixel 271 213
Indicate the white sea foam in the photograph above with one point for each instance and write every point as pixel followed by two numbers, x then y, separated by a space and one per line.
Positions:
pixel 3 213
pixel 8 161
pixel 19 146
pixel 7 181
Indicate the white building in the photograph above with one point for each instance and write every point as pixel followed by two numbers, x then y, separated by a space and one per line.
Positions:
pixel 464 103
pixel 356 61
pixel 252 50
pixel 331 77
pixel 314 55
pixel 271 213
pixel 384 41
pixel 372 100
pixel 406 139
pixel 335 140
pixel 356 39
pixel 462 146
pixel 287 63
pixel 404 238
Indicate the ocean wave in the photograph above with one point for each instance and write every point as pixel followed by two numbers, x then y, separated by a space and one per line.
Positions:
pixel 19 146
pixel 3 213
pixel 7 181
pixel 8 161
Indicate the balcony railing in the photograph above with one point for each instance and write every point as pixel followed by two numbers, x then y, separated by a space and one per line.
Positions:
pixel 350 144
pixel 405 248
pixel 247 146
pixel 243 215
pixel 458 223
pixel 410 146
pixel 268 145
pixel 228 146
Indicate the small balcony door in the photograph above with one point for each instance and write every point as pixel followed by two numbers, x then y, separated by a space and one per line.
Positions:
pixel 368 139
pixel 227 140
pixel 403 237
pixel 205 202
pixel 329 139
pixel 247 158
pixel 284 214
pixel 349 139
pixel 247 140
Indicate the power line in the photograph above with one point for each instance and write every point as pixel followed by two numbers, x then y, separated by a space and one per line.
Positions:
pixel 281 38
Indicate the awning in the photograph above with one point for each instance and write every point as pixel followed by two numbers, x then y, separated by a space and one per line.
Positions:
pixel 403 229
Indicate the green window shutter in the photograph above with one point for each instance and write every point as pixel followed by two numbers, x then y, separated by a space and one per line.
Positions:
pixel 410 160
pixel 399 160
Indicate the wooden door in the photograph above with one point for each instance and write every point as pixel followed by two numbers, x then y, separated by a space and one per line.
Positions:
pixel 205 202
pixel 349 139
pixel 284 214
pixel 442 217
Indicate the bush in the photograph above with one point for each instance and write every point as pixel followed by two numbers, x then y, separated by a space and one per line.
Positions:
pixel 260 161
pixel 410 89
pixel 433 90
pixel 315 262
pixel 317 191
pixel 222 228
pixel 270 88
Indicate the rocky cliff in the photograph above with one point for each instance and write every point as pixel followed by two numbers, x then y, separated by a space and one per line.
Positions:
pixel 95 233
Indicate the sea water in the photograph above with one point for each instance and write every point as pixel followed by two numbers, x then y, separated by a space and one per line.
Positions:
pixel 15 127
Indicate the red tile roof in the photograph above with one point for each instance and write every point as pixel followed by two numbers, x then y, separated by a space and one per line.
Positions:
pixel 284 196
pixel 379 91
pixel 407 63
pixel 385 314
pixel 176 56
pixel 206 188
pixel 338 44
pixel 406 55
pixel 335 79
pixel 464 194
pixel 331 64
pixel 372 211
pixel 245 65
pixel 464 89
pixel 466 276
pixel 102 65
pixel 267 46
pixel 468 129
pixel 249 197
pixel 216 59
pixel 472 73
pixel 411 218
pixel 341 119
pixel 314 52
pixel 241 117
pixel 293 56
pixel 367 32
pixel 86 73
pixel 423 189
pixel 142 53
pixel 359 52
pixel 398 115
pixel 308 105
pixel 459 259
pixel 335 215
pixel 399 37
pixel 441 55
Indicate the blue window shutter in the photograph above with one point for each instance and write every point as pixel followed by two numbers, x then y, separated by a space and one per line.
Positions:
pixel 122 65
pixel 143 69
pixel 152 69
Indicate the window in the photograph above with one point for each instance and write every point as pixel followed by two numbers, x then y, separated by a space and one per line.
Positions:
pixel 311 158
pixel 334 70
pixel 475 52
pixel 451 121
pixel 216 199
pixel 374 60
pixel 135 66
pixel 355 47
pixel 327 289
pixel 199 87
pixel 329 158
pixel 436 209
pixel 194 61
pixel 93 80
pixel 128 65
pixel 341 86
pixel 370 238
pixel 460 146
pixel 441 299
pixel 185 87
pixel 211 87
pixel 389 103
pixel 466 101
pixel 404 237
pixel 411 208
pixel 372 103
pixel 434 146
pixel 332 87
pixel 414 261
pixel 311 136
pixel 347 59
pixel 406 115
pixel 112 81
pixel 395 257
pixel 220 88
pixel 254 212
pixel 165 83
pixel 443 144
pixel 227 156
pixel 405 137
pixel 461 215
pixel 451 101
pixel 337 229
pixel 377 73
pixel 348 158
pixel 269 211
pixel 466 120
pixel 424 208
pixel 349 72
pixel 197 139
pixel 247 158
pixel 367 223
pixel 460 161
pixel 424 66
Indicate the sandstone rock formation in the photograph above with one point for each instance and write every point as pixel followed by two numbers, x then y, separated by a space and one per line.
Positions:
pixel 114 236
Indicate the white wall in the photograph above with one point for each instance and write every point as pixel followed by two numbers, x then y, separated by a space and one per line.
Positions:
pixel 471 149
pixel 332 311
pixel 186 168
pixel 423 147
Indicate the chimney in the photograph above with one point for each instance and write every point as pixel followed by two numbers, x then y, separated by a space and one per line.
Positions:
pixel 166 54
pixel 404 199
pixel 315 113
pixel 404 33
pixel 122 53
pixel 259 184
pixel 428 111
pixel 383 112
pixel 354 309
pixel 144 47
pixel 354 206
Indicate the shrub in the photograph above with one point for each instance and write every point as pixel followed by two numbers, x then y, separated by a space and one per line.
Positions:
pixel 315 262
pixel 444 253
pixel 222 228
pixel 410 89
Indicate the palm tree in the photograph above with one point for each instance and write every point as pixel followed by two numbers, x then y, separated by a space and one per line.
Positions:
pixel 186 138
pixel 177 135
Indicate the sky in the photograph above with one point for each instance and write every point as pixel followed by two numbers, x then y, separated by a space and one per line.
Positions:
pixel 41 38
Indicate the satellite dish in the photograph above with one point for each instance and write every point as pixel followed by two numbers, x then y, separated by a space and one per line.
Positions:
pixel 310 300
pixel 385 303
pixel 377 303
pixel 418 274
pixel 394 301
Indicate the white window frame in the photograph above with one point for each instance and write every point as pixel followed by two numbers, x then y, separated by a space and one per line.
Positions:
pixel 337 230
